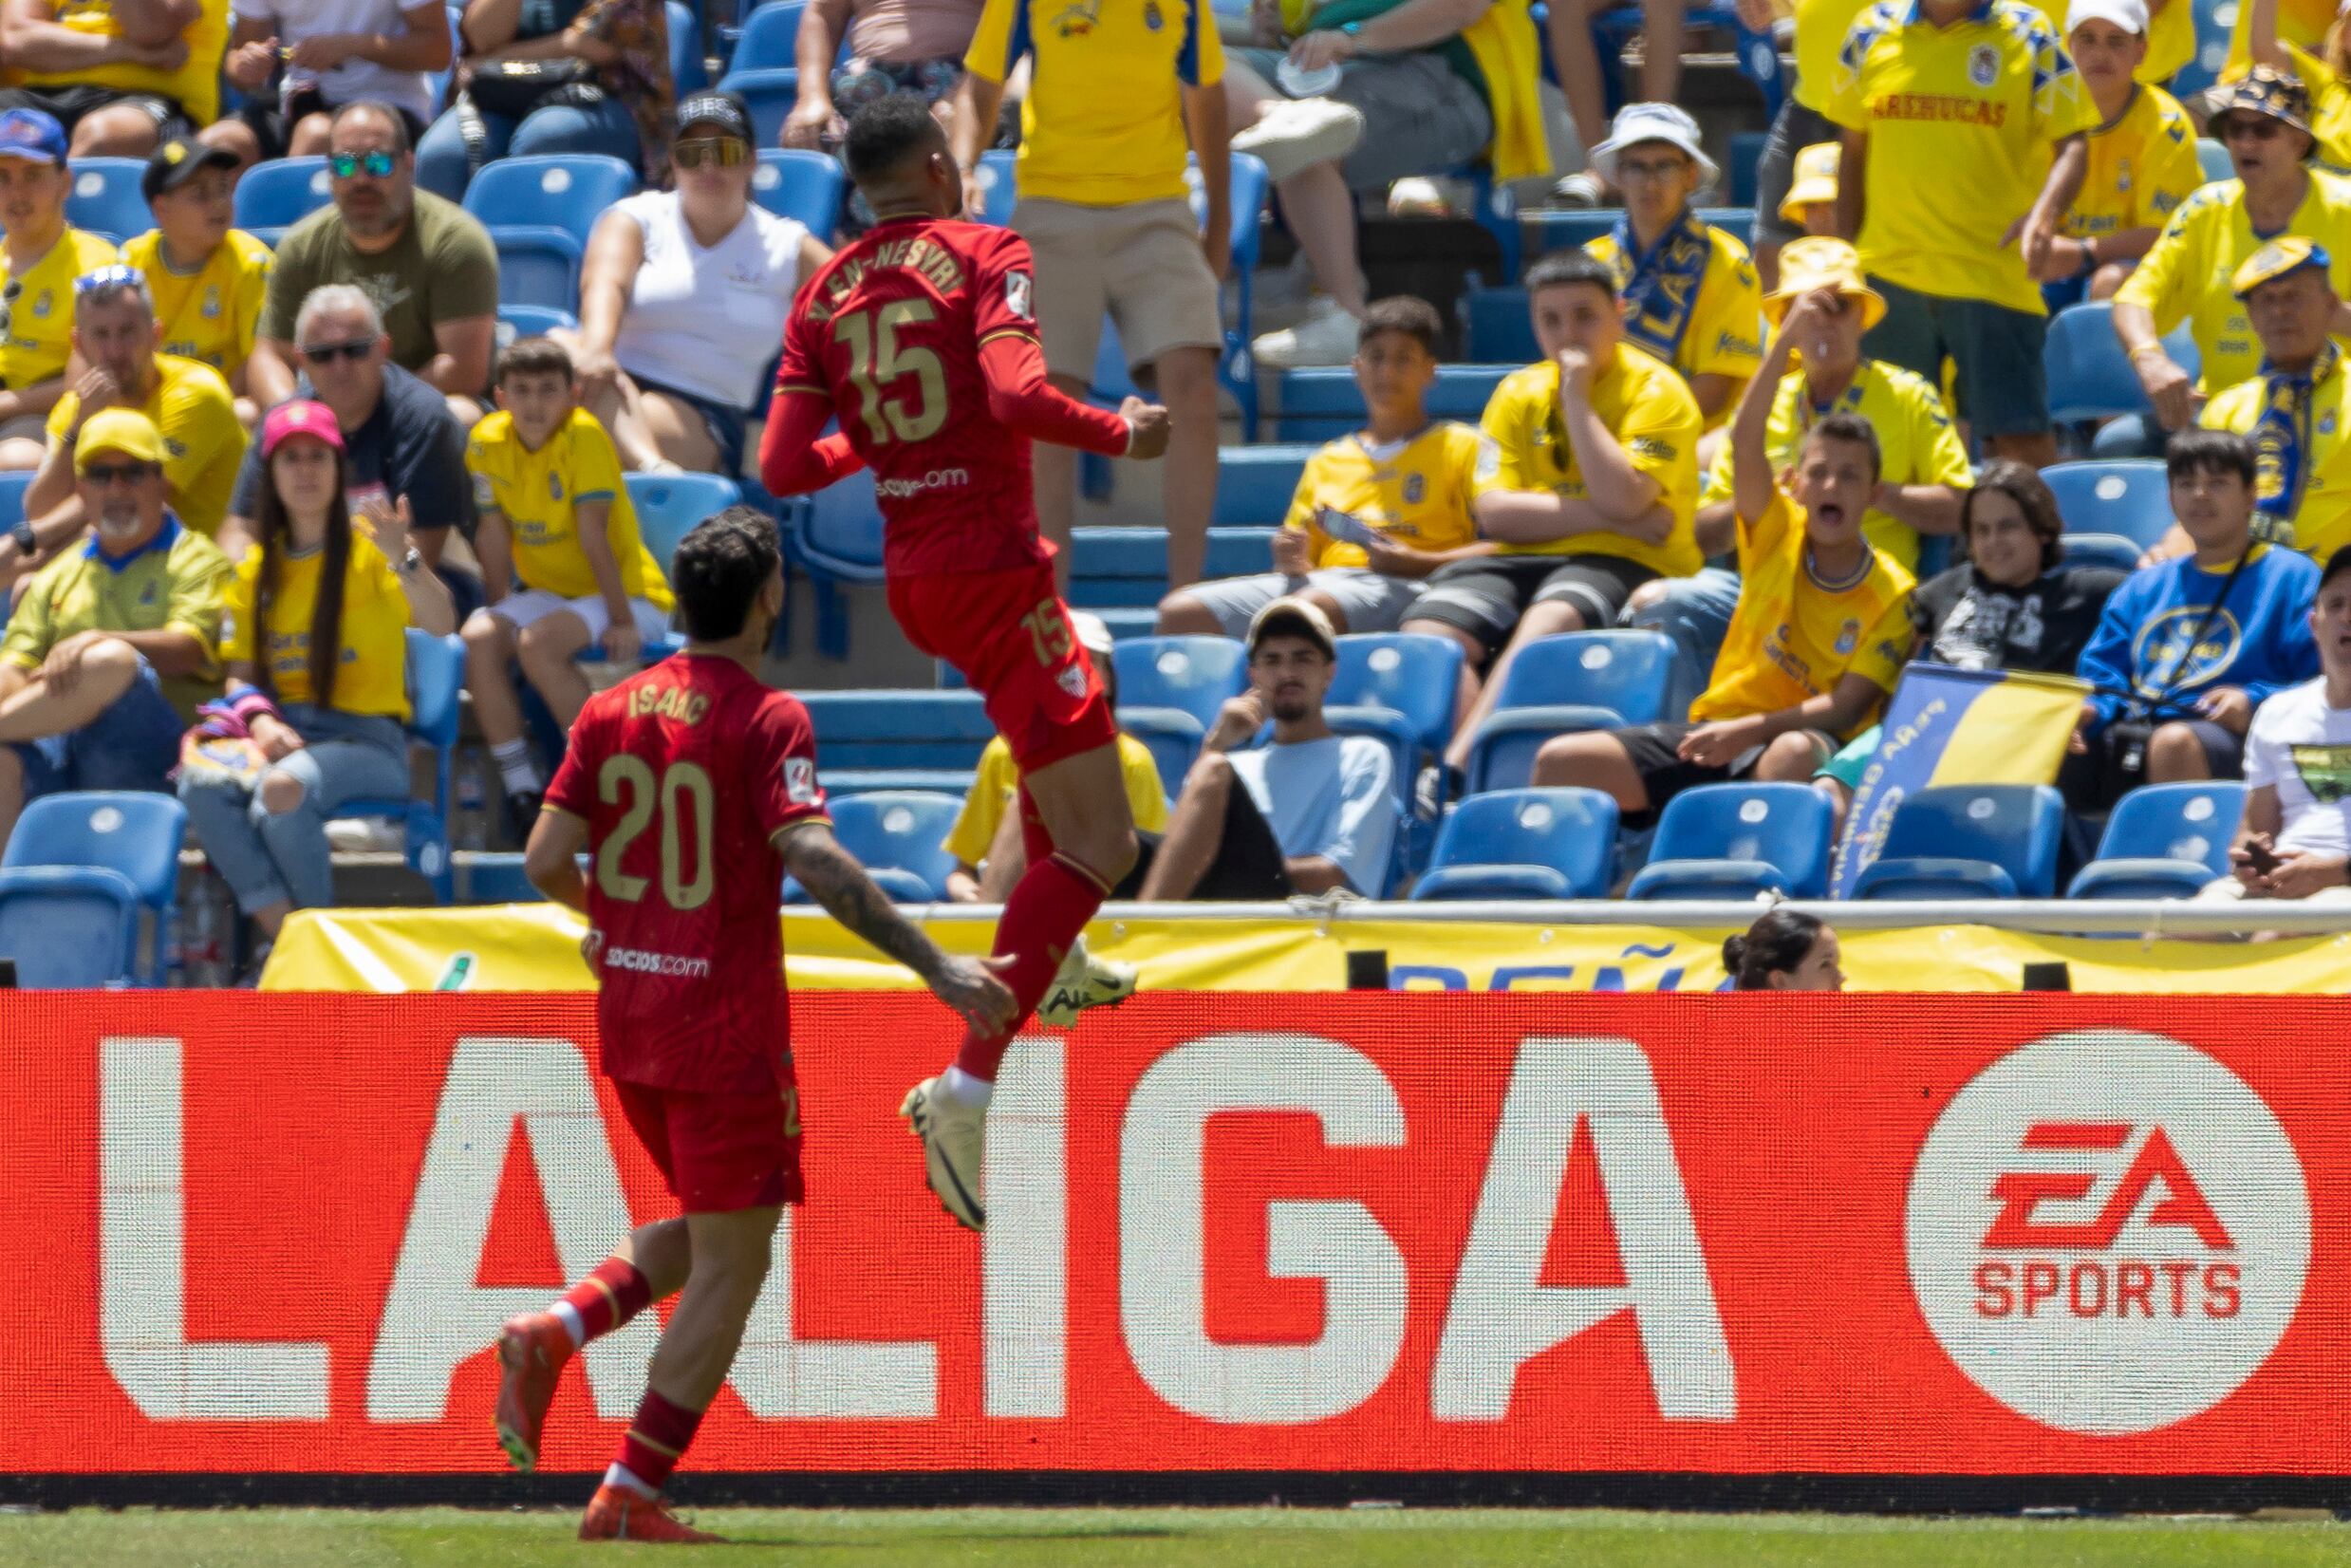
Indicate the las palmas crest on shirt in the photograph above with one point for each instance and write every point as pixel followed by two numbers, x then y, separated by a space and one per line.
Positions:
pixel 1983 65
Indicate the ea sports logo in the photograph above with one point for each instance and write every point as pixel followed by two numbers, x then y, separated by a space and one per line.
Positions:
pixel 2108 1231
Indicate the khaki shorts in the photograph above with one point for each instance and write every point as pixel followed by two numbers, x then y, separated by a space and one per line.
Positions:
pixel 1141 262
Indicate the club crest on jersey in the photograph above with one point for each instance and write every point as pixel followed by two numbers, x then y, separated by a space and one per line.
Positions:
pixel 1848 638
pixel 1415 486
pixel 1073 680
pixel 211 308
pixel 1983 65
pixel 1151 17
pixel 800 780
pixel 554 487
pixel 1017 295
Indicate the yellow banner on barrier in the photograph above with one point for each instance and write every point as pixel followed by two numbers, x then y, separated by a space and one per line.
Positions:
pixel 535 947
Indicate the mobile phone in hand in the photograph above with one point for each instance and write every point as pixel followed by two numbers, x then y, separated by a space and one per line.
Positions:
pixel 2262 858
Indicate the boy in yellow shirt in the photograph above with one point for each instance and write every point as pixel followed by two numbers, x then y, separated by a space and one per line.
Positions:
pixel 43 255
pixel 1820 634
pixel 2143 159
pixel 555 514
pixel 1397 491
pixel 208 279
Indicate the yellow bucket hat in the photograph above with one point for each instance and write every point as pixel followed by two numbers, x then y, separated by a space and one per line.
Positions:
pixel 1815 181
pixel 1817 261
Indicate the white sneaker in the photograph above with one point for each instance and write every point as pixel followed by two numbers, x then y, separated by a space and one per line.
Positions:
pixel 1416 195
pixel 954 1144
pixel 1581 189
pixel 1327 336
pixel 1084 981
pixel 366 835
pixel 1295 134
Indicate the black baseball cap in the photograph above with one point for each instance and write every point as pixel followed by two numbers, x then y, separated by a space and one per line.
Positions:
pixel 725 110
pixel 179 162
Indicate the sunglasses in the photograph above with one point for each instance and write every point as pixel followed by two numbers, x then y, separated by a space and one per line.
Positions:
pixel 2260 127
pixel 725 151
pixel 377 165
pixel 117 474
pixel 326 353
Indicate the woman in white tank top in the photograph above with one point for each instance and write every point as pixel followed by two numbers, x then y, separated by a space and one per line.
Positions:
pixel 683 296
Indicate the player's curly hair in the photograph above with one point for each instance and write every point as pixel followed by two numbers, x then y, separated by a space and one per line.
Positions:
pixel 886 133
pixel 720 568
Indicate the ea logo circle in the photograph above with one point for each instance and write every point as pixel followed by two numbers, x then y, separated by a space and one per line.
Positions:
pixel 2108 1231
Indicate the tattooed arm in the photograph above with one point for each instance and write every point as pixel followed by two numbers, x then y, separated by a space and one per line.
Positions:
pixel 835 879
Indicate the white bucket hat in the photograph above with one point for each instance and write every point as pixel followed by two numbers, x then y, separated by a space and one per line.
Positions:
pixel 2130 15
pixel 1639 122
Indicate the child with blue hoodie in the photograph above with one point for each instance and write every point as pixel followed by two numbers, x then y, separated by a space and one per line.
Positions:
pixel 2188 649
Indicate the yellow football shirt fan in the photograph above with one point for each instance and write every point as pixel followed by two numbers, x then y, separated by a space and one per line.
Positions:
pixel 2322 521
pixel 177 579
pixel 2141 168
pixel 203 441
pixel 2302 24
pixel 2186 275
pixel 1418 493
pixel 998 775
pixel 195 86
pixel 538 493
pixel 1724 332
pixel 1960 121
pixel 36 309
pixel 1916 443
pixel 1103 121
pixel 371 675
pixel 1652 413
pixel 1792 639
pixel 2330 108
pixel 1820 29
pixel 2171 39
pixel 208 315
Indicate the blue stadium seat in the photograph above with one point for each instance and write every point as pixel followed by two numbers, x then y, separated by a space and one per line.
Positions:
pixel 13 488
pixel 1410 675
pixel 1255 485
pixel 897 835
pixel 1118 569
pixel 897 740
pixel 2213 24
pixel 2213 159
pixel 764 68
pixel 103 197
pixel 835 533
pixel 687 68
pixel 2129 498
pixel 1969 841
pixel 1747 153
pixel 1496 328
pixel 2164 841
pixel 1577 680
pixel 76 854
pixel 796 183
pixel 271 197
pixel 1733 841
pixel 1323 404
pixel 539 212
pixel 1516 844
pixel 1195 676
pixel 531 321
pixel 2111 550
pixel 670 504
pixel 69 930
pixel 485 877
pixel 2089 376
pixel 435 678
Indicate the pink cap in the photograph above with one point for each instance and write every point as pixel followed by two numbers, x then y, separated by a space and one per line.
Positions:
pixel 300 418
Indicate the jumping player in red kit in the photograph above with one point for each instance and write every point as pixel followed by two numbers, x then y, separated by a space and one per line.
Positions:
pixel 693 787
pixel 921 337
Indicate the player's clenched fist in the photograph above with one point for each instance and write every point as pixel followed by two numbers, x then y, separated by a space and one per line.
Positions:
pixel 1148 423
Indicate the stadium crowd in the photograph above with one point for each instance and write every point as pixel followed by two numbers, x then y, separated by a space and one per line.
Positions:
pixel 256 468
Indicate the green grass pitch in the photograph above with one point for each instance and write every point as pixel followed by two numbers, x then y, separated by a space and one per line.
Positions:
pixel 1164 1538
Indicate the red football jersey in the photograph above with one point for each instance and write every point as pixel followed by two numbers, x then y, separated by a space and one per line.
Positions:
pixel 683 773
pixel 891 330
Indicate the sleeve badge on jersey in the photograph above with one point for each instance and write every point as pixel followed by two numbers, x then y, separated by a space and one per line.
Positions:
pixel 1017 295
pixel 800 780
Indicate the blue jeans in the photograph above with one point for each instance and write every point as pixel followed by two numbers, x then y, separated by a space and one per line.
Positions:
pixel 1695 612
pixel 605 127
pixel 133 745
pixel 281 857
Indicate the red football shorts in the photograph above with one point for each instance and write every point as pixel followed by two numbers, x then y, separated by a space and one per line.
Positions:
pixel 1009 634
pixel 719 1152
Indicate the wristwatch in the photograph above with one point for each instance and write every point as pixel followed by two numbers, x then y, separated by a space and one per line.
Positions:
pixel 26 542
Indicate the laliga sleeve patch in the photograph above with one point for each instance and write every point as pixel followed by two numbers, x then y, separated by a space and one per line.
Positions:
pixel 1016 290
pixel 800 780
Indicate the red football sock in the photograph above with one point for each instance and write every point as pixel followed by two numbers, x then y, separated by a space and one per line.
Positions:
pixel 610 1296
pixel 1048 906
pixel 657 1439
pixel 1035 840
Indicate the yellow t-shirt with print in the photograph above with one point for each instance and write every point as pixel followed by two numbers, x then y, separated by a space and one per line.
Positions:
pixel 208 315
pixel 1103 121
pixel 176 580
pixel 1649 410
pixel 36 306
pixel 1960 121
pixel 1418 493
pixel 2323 522
pixel 1820 29
pixel 203 439
pixel 2185 276
pixel 539 494
pixel 2141 168
pixel 1790 638
pixel 1917 442
pixel 371 676
pixel 998 775
pixel 195 86
pixel 1724 332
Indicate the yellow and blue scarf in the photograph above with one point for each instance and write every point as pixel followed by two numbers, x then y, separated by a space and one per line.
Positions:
pixel 2282 445
pixel 1660 288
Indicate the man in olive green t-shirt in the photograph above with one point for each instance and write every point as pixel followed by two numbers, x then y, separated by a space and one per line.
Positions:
pixel 428 265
